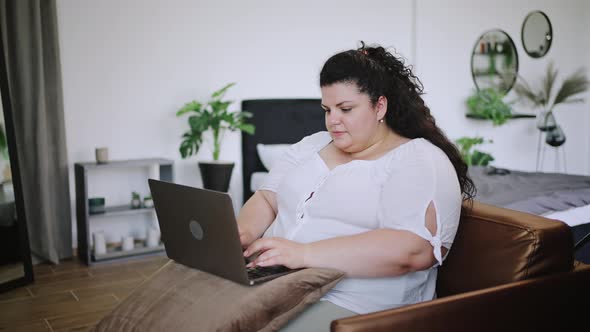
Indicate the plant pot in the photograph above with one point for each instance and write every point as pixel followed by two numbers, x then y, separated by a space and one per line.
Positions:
pixel 216 175
pixel 555 137
pixel 135 203
pixel 546 121
pixel 148 203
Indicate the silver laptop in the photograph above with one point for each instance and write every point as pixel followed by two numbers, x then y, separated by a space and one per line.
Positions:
pixel 199 230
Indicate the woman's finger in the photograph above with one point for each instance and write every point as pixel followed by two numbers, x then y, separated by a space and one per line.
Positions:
pixel 264 257
pixel 275 260
pixel 260 245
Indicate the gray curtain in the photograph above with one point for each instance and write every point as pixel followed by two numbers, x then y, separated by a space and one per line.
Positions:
pixel 30 37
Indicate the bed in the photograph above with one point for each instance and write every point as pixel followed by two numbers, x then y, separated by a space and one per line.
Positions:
pixel 280 122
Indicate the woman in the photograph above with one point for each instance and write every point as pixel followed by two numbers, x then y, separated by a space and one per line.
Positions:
pixel 377 196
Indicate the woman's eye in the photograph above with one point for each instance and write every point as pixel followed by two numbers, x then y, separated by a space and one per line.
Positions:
pixel 346 109
pixel 326 110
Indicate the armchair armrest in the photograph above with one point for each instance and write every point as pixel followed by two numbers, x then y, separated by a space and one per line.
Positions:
pixel 555 302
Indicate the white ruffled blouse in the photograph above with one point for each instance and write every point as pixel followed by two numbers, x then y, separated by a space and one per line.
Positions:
pixel 394 191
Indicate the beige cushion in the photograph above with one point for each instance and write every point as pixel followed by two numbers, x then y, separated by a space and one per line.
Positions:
pixel 178 298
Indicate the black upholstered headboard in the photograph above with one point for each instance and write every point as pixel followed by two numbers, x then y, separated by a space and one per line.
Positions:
pixel 277 121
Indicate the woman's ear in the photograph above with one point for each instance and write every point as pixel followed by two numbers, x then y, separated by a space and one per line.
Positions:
pixel 381 107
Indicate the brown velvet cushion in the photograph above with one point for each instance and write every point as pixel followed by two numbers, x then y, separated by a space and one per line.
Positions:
pixel 178 298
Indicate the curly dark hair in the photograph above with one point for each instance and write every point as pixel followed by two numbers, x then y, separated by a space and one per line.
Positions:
pixel 377 72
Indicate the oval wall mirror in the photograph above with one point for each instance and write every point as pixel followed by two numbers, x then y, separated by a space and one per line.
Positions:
pixel 536 34
pixel 494 61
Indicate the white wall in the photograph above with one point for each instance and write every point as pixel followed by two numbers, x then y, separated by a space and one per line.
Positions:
pixel 129 65
pixel 446 35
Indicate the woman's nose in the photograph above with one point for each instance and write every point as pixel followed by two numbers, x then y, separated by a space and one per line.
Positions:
pixel 333 117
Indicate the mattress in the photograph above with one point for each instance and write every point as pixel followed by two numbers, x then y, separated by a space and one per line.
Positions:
pixel 532 192
pixel 573 217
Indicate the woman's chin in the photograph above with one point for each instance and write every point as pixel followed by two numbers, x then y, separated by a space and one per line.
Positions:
pixel 341 143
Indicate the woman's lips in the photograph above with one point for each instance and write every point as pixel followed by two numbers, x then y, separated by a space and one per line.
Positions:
pixel 338 133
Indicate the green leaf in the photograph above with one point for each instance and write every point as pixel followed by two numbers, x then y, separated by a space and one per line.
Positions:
pixel 219 107
pixel 247 128
pixel 190 145
pixel 481 158
pixel 489 104
pixel 219 93
pixel 524 92
pixel 198 124
pixel 193 106
pixel 549 80
pixel 573 85
pixel 228 117
pixel 211 116
pixel 573 101
pixel 476 157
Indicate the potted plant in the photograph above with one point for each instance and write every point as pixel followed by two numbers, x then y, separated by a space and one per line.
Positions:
pixel 135 200
pixel 212 115
pixel 543 99
pixel 148 202
pixel 489 104
pixel 471 156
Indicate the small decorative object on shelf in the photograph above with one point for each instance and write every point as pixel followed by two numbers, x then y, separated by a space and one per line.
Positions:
pixel 128 243
pixel 96 205
pixel 148 202
pixel 153 238
pixel 102 155
pixel 100 246
pixel 135 200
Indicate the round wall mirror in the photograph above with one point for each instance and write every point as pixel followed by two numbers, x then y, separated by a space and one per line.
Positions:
pixel 494 61
pixel 537 34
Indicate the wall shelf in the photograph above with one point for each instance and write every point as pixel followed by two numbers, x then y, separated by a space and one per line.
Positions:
pixel 119 210
pixel 84 217
pixel 115 254
pixel 513 116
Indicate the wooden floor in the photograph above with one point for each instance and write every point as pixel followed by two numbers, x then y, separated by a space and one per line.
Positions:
pixel 72 296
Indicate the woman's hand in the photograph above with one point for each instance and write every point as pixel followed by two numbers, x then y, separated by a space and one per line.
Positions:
pixel 278 251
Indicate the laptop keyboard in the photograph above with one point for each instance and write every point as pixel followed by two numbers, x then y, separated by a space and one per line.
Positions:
pixel 265 271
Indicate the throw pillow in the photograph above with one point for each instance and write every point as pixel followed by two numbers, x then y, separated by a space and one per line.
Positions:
pixel 270 153
pixel 178 298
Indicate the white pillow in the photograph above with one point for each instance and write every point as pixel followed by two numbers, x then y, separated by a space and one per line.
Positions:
pixel 270 153
pixel 256 181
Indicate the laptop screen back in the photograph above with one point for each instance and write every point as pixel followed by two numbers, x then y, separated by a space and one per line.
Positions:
pixel 199 229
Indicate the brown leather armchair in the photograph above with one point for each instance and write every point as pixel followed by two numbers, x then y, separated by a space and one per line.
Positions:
pixel 506 271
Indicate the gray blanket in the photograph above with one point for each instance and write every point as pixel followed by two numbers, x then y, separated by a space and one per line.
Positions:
pixel 532 192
